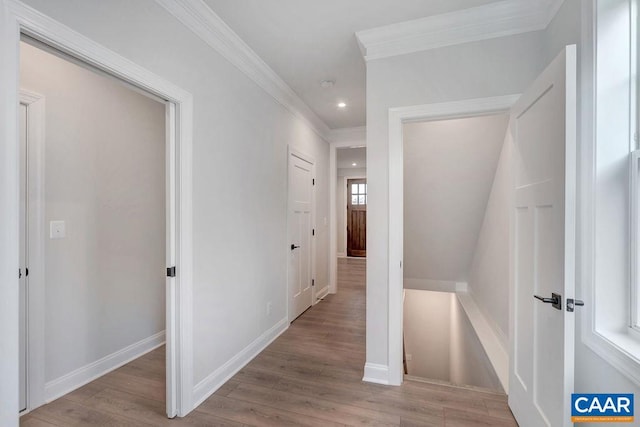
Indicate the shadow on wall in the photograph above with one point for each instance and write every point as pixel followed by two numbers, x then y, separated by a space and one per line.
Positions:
pixel 440 342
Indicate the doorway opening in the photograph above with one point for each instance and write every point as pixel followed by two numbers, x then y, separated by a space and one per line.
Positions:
pixel 449 168
pixel 351 202
pixel 357 217
pixel 97 226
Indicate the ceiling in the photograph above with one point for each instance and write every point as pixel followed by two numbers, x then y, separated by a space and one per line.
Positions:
pixel 306 42
pixel 346 157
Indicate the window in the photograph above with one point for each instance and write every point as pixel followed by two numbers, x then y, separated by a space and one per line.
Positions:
pixel 634 172
pixel 610 191
pixel 358 194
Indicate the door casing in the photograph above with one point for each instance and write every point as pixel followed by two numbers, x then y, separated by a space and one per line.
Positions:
pixel 392 373
pixel 20 19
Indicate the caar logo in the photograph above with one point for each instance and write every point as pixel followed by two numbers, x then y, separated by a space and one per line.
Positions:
pixel 601 408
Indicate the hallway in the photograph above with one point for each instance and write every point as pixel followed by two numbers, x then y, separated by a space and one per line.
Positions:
pixel 310 376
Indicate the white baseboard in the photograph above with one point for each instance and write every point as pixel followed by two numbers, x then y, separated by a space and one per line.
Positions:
pixel 375 373
pixel 490 337
pixel 73 380
pixel 322 293
pixel 434 285
pixel 216 379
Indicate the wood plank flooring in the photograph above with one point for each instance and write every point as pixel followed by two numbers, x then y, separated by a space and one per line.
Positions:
pixel 309 376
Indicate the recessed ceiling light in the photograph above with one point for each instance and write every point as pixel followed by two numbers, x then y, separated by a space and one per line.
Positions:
pixel 341 105
pixel 327 83
pixel 354 164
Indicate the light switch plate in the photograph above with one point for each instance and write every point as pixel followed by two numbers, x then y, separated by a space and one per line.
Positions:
pixel 57 230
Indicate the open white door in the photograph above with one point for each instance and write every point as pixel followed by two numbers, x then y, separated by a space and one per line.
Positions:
pixel 543 123
pixel 300 234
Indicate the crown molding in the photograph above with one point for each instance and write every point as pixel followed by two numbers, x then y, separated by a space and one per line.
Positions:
pixel 499 19
pixel 207 25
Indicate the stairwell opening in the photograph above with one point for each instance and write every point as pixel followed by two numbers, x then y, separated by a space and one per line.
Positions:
pixel 440 343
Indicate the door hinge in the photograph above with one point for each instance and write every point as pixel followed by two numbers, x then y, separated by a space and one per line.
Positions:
pixel 26 271
pixel 313 232
pixel 19 273
pixel 171 271
pixel 313 282
pixel 313 181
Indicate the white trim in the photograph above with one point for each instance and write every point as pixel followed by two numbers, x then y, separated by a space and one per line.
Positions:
pixel 215 380
pixel 398 116
pixel 84 375
pixel 321 293
pixel 634 199
pixel 22 18
pixel 492 339
pixel 375 373
pixel 37 235
pixel 343 138
pixel 498 19
pixel 170 257
pixel 434 285
pixel 206 24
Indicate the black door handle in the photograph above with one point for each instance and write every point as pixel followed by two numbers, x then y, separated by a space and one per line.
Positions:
pixel 555 300
pixel 294 246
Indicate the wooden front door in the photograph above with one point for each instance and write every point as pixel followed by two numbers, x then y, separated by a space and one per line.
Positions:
pixel 357 217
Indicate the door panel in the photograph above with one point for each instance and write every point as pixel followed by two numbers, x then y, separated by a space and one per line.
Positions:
pixel 300 235
pixel 543 247
pixel 357 217
pixel 22 370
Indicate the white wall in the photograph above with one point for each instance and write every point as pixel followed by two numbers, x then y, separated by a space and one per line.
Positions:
pixel 489 275
pixel 105 161
pixel 427 333
pixel 441 342
pixel 468 364
pixel 448 170
pixel 239 173
pixel 341 204
pixel 500 66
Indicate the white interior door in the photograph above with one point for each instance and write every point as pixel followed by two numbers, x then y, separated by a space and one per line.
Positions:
pixel 22 370
pixel 300 234
pixel 543 123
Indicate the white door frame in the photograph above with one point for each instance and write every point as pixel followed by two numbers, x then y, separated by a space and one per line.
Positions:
pixel 17 18
pixel 397 117
pixel 333 221
pixel 35 306
pixel 309 159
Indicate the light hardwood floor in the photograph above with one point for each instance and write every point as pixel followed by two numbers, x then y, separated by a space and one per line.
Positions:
pixel 309 376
